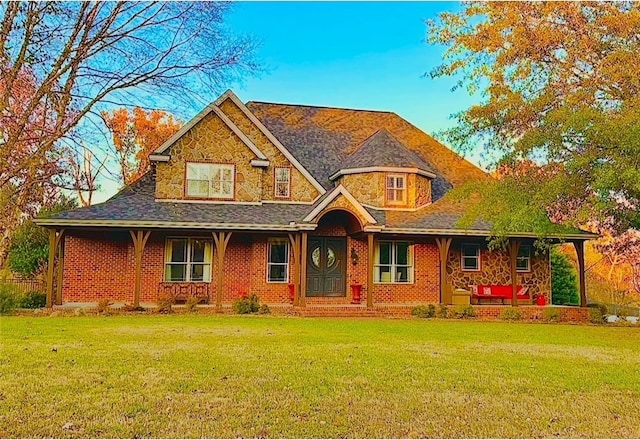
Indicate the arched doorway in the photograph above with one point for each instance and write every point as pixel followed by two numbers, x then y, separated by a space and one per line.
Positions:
pixel 327 257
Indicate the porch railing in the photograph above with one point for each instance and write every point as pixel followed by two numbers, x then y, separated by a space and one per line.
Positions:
pixel 182 291
pixel 25 285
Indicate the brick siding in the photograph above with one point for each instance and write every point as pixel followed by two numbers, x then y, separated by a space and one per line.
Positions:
pixel 100 265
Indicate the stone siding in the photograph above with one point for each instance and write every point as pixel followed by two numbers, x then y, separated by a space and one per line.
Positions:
pixel 495 270
pixel 209 141
pixel 301 188
pixel 369 188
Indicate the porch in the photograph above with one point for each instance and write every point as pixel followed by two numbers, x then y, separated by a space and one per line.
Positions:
pixel 315 266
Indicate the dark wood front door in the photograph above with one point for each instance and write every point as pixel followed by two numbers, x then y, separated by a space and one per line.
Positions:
pixel 327 266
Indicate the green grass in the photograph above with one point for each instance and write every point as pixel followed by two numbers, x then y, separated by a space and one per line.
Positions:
pixel 212 376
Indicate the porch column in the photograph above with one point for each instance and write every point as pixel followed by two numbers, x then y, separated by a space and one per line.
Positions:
pixel 444 244
pixel 139 238
pixel 55 235
pixel 303 270
pixel 60 274
pixel 221 240
pixel 295 240
pixel 514 247
pixel 579 247
pixel 370 257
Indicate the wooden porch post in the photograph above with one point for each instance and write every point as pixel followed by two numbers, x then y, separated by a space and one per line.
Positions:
pixel 294 239
pixel 54 240
pixel 579 247
pixel 370 257
pixel 514 247
pixel 139 238
pixel 60 271
pixel 303 271
pixel 444 244
pixel 221 240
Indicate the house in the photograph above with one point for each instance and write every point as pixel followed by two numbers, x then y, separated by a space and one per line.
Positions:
pixel 298 204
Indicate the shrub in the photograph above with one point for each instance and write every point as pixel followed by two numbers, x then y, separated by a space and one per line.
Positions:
pixel 246 304
pixel 511 314
pixel 103 305
pixel 264 310
pixel 191 304
pixel 443 311
pixel 10 299
pixel 34 300
pixel 165 303
pixel 595 315
pixel 601 307
pixel 462 311
pixel 424 311
pixel 551 314
pixel 564 280
pixel 132 308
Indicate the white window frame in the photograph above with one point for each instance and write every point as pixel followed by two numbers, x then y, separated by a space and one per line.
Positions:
pixel 208 258
pixel 526 258
pixel 395 178
pixel 209 170
pixel 278 241
pixel 476 256
pixel 276 182
pixel 393 266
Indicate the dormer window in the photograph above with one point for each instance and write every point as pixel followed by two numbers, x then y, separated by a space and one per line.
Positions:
pixel 283 182
pixel 210 181
pixel 396 190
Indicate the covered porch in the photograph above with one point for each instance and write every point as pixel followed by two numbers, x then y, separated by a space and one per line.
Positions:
pixel 322 266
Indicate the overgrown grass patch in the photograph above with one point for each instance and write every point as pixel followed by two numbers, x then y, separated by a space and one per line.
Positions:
pixel 192 375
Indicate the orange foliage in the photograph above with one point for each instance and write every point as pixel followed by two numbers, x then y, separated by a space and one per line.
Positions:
pixel 136 135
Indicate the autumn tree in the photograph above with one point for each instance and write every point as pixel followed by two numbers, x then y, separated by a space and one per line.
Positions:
pixel 558 85
pixel 62 63
pixel 136 135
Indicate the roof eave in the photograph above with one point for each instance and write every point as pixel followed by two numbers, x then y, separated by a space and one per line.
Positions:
pixel 152 224
pixel 485 233
pixel 410 170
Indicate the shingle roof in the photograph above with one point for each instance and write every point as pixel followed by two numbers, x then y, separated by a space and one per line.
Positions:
pixel 382 149
pixel 137 203
pixel 322 138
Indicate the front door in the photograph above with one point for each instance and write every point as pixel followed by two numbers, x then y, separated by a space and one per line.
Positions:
pixel 327 266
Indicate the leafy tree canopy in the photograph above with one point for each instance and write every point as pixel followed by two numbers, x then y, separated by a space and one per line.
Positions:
pixel 559 110
pixel 29 249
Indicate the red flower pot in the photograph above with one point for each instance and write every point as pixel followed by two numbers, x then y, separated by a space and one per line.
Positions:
pixel 356 292
pixel 292 292
pixel 541 300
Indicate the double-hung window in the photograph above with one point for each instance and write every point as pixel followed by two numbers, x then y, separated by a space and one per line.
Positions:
pixel 396 192
pixel 278 262
pixel 283 182
pixel 188 260
pixel 210 181
pixel 470 257
pixel 523 262
pixel 393 262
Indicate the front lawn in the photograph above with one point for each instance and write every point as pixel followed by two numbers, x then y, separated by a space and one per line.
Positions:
pixel 212 376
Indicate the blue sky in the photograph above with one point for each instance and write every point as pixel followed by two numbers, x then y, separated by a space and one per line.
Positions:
pixel 368 55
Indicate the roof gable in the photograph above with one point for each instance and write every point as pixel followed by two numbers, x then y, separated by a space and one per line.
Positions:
pixel 162 149
pixel 229 95
pixel 350 201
